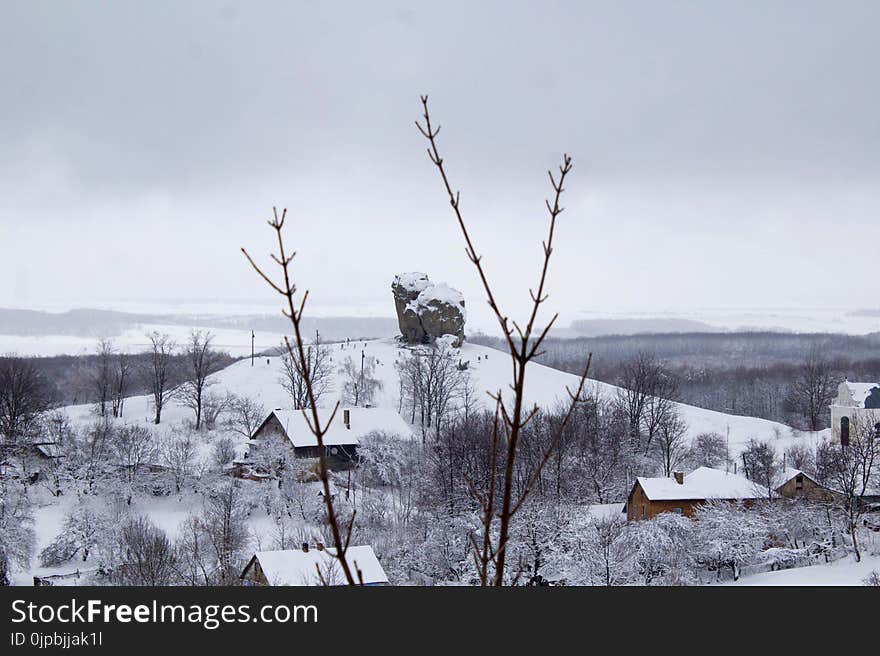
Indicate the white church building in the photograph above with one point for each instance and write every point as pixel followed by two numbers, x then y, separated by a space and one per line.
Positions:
pixel 857 405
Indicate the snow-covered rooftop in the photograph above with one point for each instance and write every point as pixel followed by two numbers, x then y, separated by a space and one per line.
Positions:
pixel 786 475
pixel 362 422
pixel 860 391
pixel 702 483
pixel 298 567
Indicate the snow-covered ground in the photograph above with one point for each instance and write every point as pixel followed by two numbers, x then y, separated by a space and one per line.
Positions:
pixel 134 339
pixel 490 370
pixel 845 571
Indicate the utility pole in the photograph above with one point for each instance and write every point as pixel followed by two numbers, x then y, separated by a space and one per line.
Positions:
pixel 252 348
pixel 361 383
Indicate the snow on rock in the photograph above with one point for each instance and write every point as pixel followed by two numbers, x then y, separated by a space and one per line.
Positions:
pixel 426 311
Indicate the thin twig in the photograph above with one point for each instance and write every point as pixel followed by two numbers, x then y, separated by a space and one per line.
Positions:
pixel 298 355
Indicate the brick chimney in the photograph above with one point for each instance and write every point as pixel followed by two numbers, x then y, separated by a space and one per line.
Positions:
pixel 320 546
pixel 305 547
pixel 679 477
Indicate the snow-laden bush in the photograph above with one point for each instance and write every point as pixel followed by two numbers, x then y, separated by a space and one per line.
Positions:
pixel 663 549
pixel 729 535
pixel 383 457
pixel 82 531
pixel 17 537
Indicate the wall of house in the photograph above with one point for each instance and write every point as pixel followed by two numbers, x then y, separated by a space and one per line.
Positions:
pixel 639 506
pixel 809 490
pixel 273 430
pixel 254 575
pixel 270 431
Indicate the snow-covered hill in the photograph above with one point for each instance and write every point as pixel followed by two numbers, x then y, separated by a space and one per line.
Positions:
pixel 490 370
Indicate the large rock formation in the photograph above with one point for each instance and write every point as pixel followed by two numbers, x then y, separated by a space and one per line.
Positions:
pixel 426 311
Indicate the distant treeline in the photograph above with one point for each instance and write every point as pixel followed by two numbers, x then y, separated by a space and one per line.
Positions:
pixel 109 323
pixel 70 378
pixel 746 373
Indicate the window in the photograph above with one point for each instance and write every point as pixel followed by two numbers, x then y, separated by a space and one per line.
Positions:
pixel 644 511
pixel 799 482
pixel 678 511
pixel 844 431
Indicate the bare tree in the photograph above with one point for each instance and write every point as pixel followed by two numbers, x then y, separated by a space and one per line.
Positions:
pixel 225 523
pixel 101 375
pixel 24 395
pixel 813 390
pixel 433 379
pixel 853 468
pixel 801 456
pixel 320 361
pixel 213 407
pixel 121 383
pixel 523 345
pixel 150 559
pixel 200 362
pixel 297 350
pixel 178 454
pixel 635 387
pixel 670 447
pixel 158 373
pixel 709 450
pixel 245 415
pixel 17 536
pixel 224 451
pixel 133 448
pixel 762 465
pixel 659 406
pixel 91 453
pixel 359 382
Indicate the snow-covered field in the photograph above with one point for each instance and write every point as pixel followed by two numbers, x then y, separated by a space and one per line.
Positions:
pixel 237 341
pixel 796 320
pixel 134 340
pixel 489 368
pixel 845 571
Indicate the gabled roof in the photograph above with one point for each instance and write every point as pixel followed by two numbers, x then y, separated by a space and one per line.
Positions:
pixel 787 474
pixel 362 422
pixel 297 567
pixel 700 484
pixel 49 449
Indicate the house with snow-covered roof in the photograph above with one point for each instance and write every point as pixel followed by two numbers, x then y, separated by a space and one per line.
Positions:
pixel 683 494
pixel 340 442
pixel 796 484
pixel 313 566
pixel 855 408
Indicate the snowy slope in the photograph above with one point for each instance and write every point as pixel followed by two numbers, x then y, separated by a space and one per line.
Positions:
pixel 842 572
pixel 490 370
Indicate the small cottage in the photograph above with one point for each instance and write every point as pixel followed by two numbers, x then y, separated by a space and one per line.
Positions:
pixel 342 437
pixel 312 566
pixel 684 494
pixel 795 484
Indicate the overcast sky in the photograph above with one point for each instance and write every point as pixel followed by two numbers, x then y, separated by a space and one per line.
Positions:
pixel 727 154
